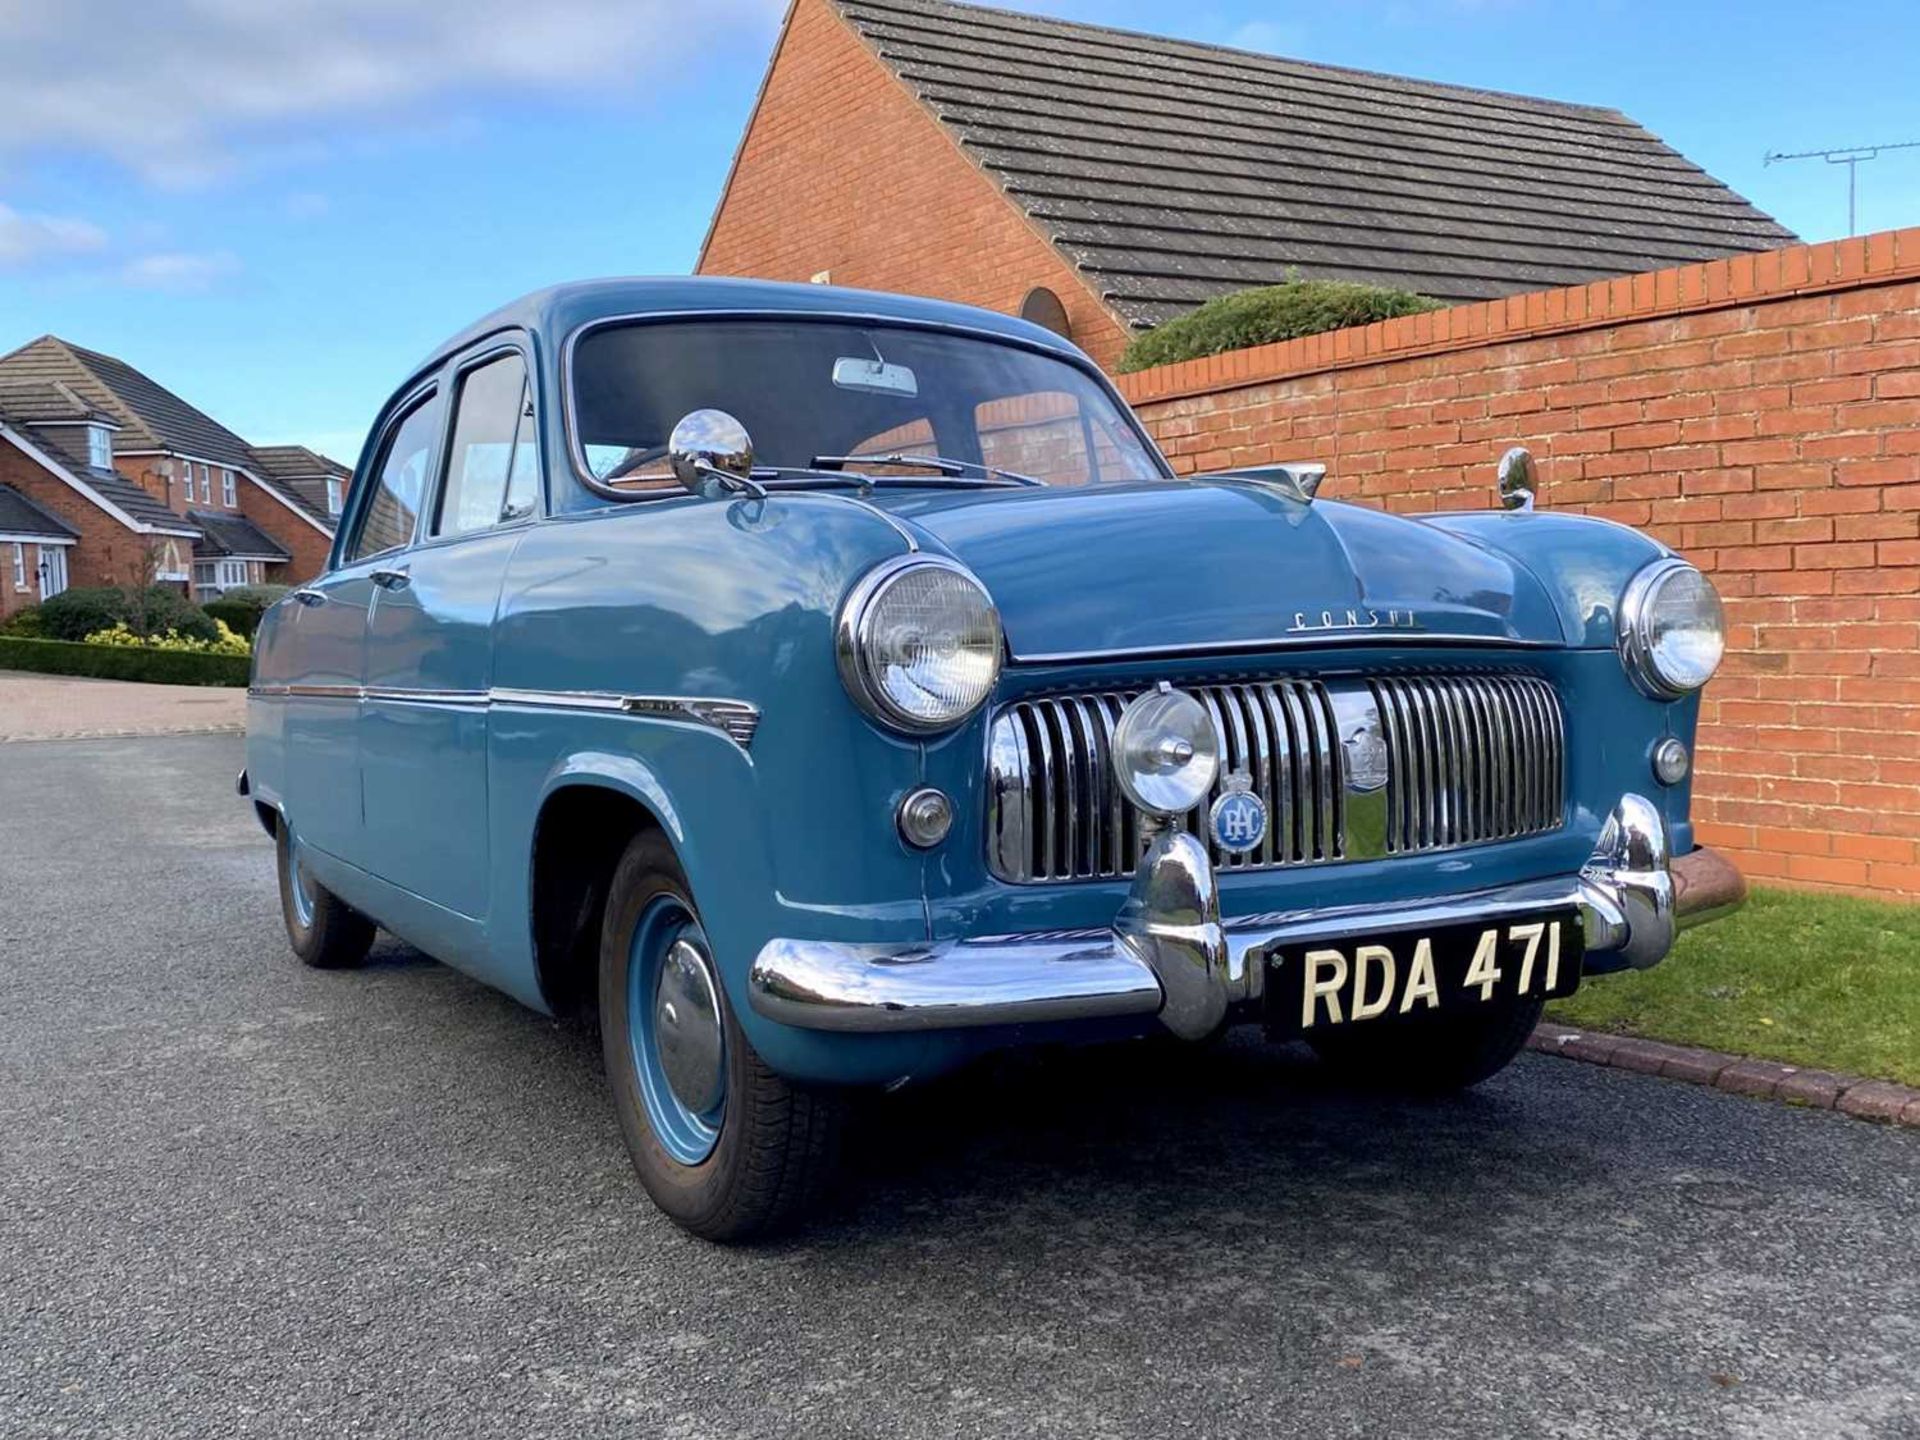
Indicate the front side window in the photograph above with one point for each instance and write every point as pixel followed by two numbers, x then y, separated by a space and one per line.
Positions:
pixel 491 473
pixel 811 388
pixel 399 481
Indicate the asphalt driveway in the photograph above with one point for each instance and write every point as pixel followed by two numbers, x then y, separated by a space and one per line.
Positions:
pixel 237 1197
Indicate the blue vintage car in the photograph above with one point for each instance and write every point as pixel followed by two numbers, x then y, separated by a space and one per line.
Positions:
pixel 831 687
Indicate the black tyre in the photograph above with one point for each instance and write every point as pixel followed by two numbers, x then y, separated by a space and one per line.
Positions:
pixel 1430 1056
pixel 725 1147
pixel 323 929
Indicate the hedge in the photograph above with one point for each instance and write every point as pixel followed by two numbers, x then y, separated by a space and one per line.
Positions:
pixel 239 617
pixel 112 662
pixel 1269 314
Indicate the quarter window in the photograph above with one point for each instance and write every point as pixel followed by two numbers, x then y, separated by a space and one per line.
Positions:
pixel 491 473
pixel 399 480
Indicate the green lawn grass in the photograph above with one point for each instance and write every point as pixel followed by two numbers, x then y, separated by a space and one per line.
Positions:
pixel 1823 981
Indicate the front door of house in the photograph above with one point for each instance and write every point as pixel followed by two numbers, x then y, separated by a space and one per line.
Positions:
pixel 53 570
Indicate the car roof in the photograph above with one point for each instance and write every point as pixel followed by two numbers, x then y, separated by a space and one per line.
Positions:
pixel 559 310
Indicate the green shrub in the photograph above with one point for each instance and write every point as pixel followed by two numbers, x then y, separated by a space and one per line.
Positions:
pixel 224 643
pixel 76 614
pixel 165 610
pixel 238 616
pixel 113 662
pixel 24 623
pixel 1270 313
pixel 255 597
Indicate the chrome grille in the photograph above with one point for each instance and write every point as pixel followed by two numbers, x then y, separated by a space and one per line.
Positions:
pixel 1471 758
pixel 1349 769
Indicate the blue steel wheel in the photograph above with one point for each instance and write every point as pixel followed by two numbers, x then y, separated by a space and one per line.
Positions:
pixel 675 1030
pixel 324 931
pixel 727 1149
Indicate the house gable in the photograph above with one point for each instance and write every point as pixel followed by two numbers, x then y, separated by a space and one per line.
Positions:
pixel 842 171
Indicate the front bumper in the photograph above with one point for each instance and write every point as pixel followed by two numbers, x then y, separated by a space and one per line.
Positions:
pixel 1169 953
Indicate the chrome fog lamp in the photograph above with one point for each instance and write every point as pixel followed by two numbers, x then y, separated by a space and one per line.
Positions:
pixel 1672 629
pixel 918 643
pixel 1165 752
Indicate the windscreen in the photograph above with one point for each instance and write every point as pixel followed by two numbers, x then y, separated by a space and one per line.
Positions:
pixel 808 389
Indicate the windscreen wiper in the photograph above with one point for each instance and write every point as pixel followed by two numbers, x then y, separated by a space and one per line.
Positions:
pixel 946 465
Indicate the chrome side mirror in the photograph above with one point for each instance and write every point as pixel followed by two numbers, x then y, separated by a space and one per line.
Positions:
pixel 1517 479
pixel 711 453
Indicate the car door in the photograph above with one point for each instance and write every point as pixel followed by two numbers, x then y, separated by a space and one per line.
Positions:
pixel 429 665
pixel 325 699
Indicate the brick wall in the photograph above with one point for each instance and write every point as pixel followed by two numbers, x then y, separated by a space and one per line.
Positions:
pixel 107 553
pixel 27 593
pixel 1759 414
pixel 296 534
pixel 842 170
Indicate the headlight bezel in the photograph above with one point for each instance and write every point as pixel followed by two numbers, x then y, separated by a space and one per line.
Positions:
pixel 853 629
pixel 1635 638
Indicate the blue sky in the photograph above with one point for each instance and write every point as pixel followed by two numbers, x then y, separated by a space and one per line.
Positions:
pixel 274 209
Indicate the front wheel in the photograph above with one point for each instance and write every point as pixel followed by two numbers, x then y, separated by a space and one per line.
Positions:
pixel 725 1147
pixel 324 931
pixel 1430 1056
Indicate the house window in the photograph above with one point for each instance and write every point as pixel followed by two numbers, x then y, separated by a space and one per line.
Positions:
pixel 206 485
pixel 226 489
pixel 19 567
pixel 333 497
pixel 99 447
pixel 203 586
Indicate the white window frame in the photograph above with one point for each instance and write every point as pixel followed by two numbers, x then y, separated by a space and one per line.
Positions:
pixel 19 567
pixel 228 497
pixel 99 447
pixel 206 485
pixel 333 496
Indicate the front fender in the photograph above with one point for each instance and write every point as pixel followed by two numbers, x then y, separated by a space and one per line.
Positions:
pixel 1581 561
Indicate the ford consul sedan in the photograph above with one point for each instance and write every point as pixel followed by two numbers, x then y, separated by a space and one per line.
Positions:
pixel 830 687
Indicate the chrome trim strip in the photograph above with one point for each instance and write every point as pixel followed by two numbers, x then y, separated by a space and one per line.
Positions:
pixel 736 719
pixel 1334 640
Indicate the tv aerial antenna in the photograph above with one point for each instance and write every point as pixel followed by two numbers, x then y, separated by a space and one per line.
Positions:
pixel 1852 158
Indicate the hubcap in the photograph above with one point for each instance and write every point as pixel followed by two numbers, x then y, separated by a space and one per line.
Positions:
pixel 676 1031
pixel 297 884
pixel 686 1020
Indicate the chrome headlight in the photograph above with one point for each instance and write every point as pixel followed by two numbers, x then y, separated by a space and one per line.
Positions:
pixel 919 643
pixel 1166 754
pixel 1672 629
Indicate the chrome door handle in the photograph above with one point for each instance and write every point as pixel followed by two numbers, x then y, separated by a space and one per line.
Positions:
pixel 390 579
pixel 310 597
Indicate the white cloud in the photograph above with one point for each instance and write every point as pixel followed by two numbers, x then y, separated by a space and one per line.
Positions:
pixel 177 90
pixel 179 271
pixel 25 239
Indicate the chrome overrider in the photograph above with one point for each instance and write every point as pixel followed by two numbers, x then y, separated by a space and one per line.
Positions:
pixel 1169 953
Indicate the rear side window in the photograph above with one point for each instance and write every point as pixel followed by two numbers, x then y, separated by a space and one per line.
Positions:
pixel 399 482
pixel 491 472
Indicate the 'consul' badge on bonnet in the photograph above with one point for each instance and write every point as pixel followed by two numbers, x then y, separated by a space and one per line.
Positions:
pixel 1238 819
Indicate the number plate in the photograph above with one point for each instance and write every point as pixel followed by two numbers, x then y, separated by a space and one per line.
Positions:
pixel 1408 974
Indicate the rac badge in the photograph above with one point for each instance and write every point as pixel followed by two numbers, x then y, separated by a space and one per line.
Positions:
pixel 1238 819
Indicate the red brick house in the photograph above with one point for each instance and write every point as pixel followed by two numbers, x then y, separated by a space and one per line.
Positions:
pixel 153 485
pixel 1103 182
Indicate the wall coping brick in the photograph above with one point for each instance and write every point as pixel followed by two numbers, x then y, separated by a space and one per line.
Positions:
pixel 1738 280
